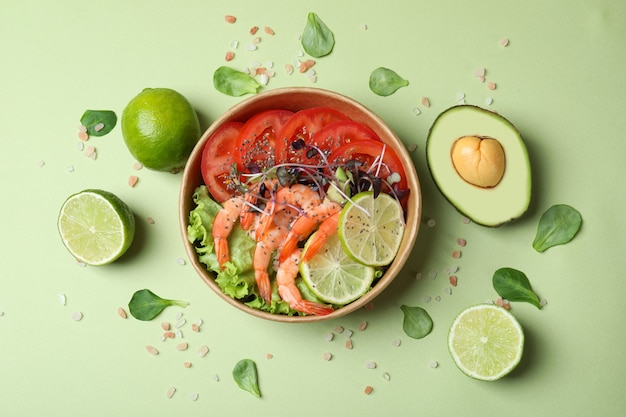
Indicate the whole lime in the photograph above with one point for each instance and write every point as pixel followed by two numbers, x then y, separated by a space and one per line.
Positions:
pixel 160 128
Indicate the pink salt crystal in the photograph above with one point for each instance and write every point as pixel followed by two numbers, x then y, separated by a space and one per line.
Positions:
pixel 132 180
pixel 491 85
pixel 504 42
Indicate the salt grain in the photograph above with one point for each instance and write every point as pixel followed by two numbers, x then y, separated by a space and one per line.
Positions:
pixel 370 365
pixel 338 329
pixel 363 326
pixel 137 166
pixel 170 392
pixel 181 261
pixel 543 302
pixel 396 342
pixel 327 356
pixel 461 242
pixel 368 390
pixel 169 335
pixel 152 350
pixel 466 220
pixel 329 337
pixel 264 79
pixel 187 364
pixel 434 364
pixel 121 312
pixel 416 111
pixel 348 344
pixel 418 276
pixel 203 350
pixel 386 376
pixel 195 327
pixel 453 280
pixel 432 274
pixel 180 323
pixel 150 220
pixel 234 44
pixel 427 298
pixel 269 356
pixel 448 290
pixel 349 333
pixel 69 168
pixel 182 346
pixel 363 26
pixel 425 102
pixel 460 97
pixel 289 69
pixel 194 396
pixel 269 30
pixel 491 85
pixel 83 136
pixel 41 163
pixel 216 377
pixel 230 18
pixel 489 101
pixel 165 326
pixel 62 299
pixel 251 47
pixel 504 42
pixel 412 147
pixel 437 298
pixel 132 180
pixel 82 128
pixel 431 223
pixel 457 254
pixel 98 127
pixel 77 316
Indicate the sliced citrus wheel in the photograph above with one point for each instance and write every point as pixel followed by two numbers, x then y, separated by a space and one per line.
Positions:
pixel 371 228
pixel 333 276
pixel 486 342
pixel 96 226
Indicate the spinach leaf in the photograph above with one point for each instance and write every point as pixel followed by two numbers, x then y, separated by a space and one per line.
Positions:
pixel 385 82
pixel 98 122
pixel 245 375
pixel 558 225
pixel 234 83
pixel 146 305
pixel 513 285
pixel 317 39
pixel 417 322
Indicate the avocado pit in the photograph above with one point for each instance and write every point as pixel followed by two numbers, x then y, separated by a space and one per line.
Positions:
pixel 479 160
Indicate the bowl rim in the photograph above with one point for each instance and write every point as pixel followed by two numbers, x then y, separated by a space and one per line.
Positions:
pixel 306 95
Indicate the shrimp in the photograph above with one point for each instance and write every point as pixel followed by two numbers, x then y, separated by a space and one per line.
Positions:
pixel 297 196
pixel 327 228
pixel 286 281
pixel 306 224
pixel 223 224
pixel 262 258
pixel 258 190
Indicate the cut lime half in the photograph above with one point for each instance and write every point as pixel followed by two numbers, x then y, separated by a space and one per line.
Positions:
pixel 333 276
pixel 96 226
pixel 371 228
pixel 486 342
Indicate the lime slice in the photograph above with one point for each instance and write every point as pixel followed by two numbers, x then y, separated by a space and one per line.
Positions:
pixel 371 228
pixel 333 276
pixel 96 226
pixel 486 342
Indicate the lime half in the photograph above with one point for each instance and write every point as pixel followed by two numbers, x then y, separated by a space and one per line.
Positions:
pixel 486 342
pixel 96 226
pixel 333 276
pixel 371 229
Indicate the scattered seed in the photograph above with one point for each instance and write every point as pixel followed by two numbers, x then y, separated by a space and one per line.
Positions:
pixel 152 350
pixel 349 333
pixel 348 344
pixel 453 280
pixel 269 30
pixel 195 328
pixel 457 254
pixel 437 298
pixel 203 350
pixel 256 40
pixel 363 326
pixel 83 136
pixel 150 220
pixel 77 316
pixel 448 290
pixel 386 376
pixel 370 365
pixel 254 30
pixel 230 18
pixel 452 269
pixel 169 335
pixel 179 316
pixel 491 85
pixel 412 147
pixel 62 299
pixel 187 364
pixel 481 79
pixel 181 261
pixel 182 346
pixel 289 69
pixel 41 162
pixel 269 356
pixel 216 377
pixel 90 150
pixel 329 336
pixel 432 274
pixel 230 55
pixel 170 392
pixel 480 72
pixel 460 97
pixel 416 111
pixel 396 342
pixel 434 364
pixel 194 396
pixel 82 128
pixel 180 323
pixel 466 220
pixel 234 44
pixel 137 166
pixel 98 127
pixel 69 168
pixel 369 306
pixel 425 102
pixel 368 390
pixel 431 223
pixel 427 298
pixel 461 242
pixel 338 329
pixel 264 79
pixel 504 42
pixel 543 302
pixel 306 65
pixel 165 326
pixel 251 47
pixel 489 101
pixel 121 312
pixel 327 356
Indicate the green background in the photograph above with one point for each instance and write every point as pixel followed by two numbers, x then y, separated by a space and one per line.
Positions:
pixel 560 81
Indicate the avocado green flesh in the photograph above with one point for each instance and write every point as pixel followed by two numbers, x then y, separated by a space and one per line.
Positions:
pixel 506 201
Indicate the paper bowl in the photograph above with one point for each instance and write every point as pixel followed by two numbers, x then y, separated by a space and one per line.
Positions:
pixel 294 99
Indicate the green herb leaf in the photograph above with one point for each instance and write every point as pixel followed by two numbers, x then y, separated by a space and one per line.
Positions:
pixel 98 122
pixel 558 225
pixel 317 39
pixel 234 83
pixel 385 82
pixel 513 285
pixel 417 322
pixel 146 305
pixel 245 375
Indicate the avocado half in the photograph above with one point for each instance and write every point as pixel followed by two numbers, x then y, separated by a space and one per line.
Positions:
pixel 488 206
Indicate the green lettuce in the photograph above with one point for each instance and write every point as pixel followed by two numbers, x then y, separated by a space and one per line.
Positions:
pixel 237 278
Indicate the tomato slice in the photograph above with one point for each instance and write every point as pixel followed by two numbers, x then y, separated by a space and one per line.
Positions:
pixel 366 151
pixel 217 160
pixel 304 125
pixel 256 142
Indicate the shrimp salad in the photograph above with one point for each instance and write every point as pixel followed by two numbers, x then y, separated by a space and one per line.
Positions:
pixel 270 183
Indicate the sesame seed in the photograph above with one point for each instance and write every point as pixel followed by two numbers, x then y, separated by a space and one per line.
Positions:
pixel 269 356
